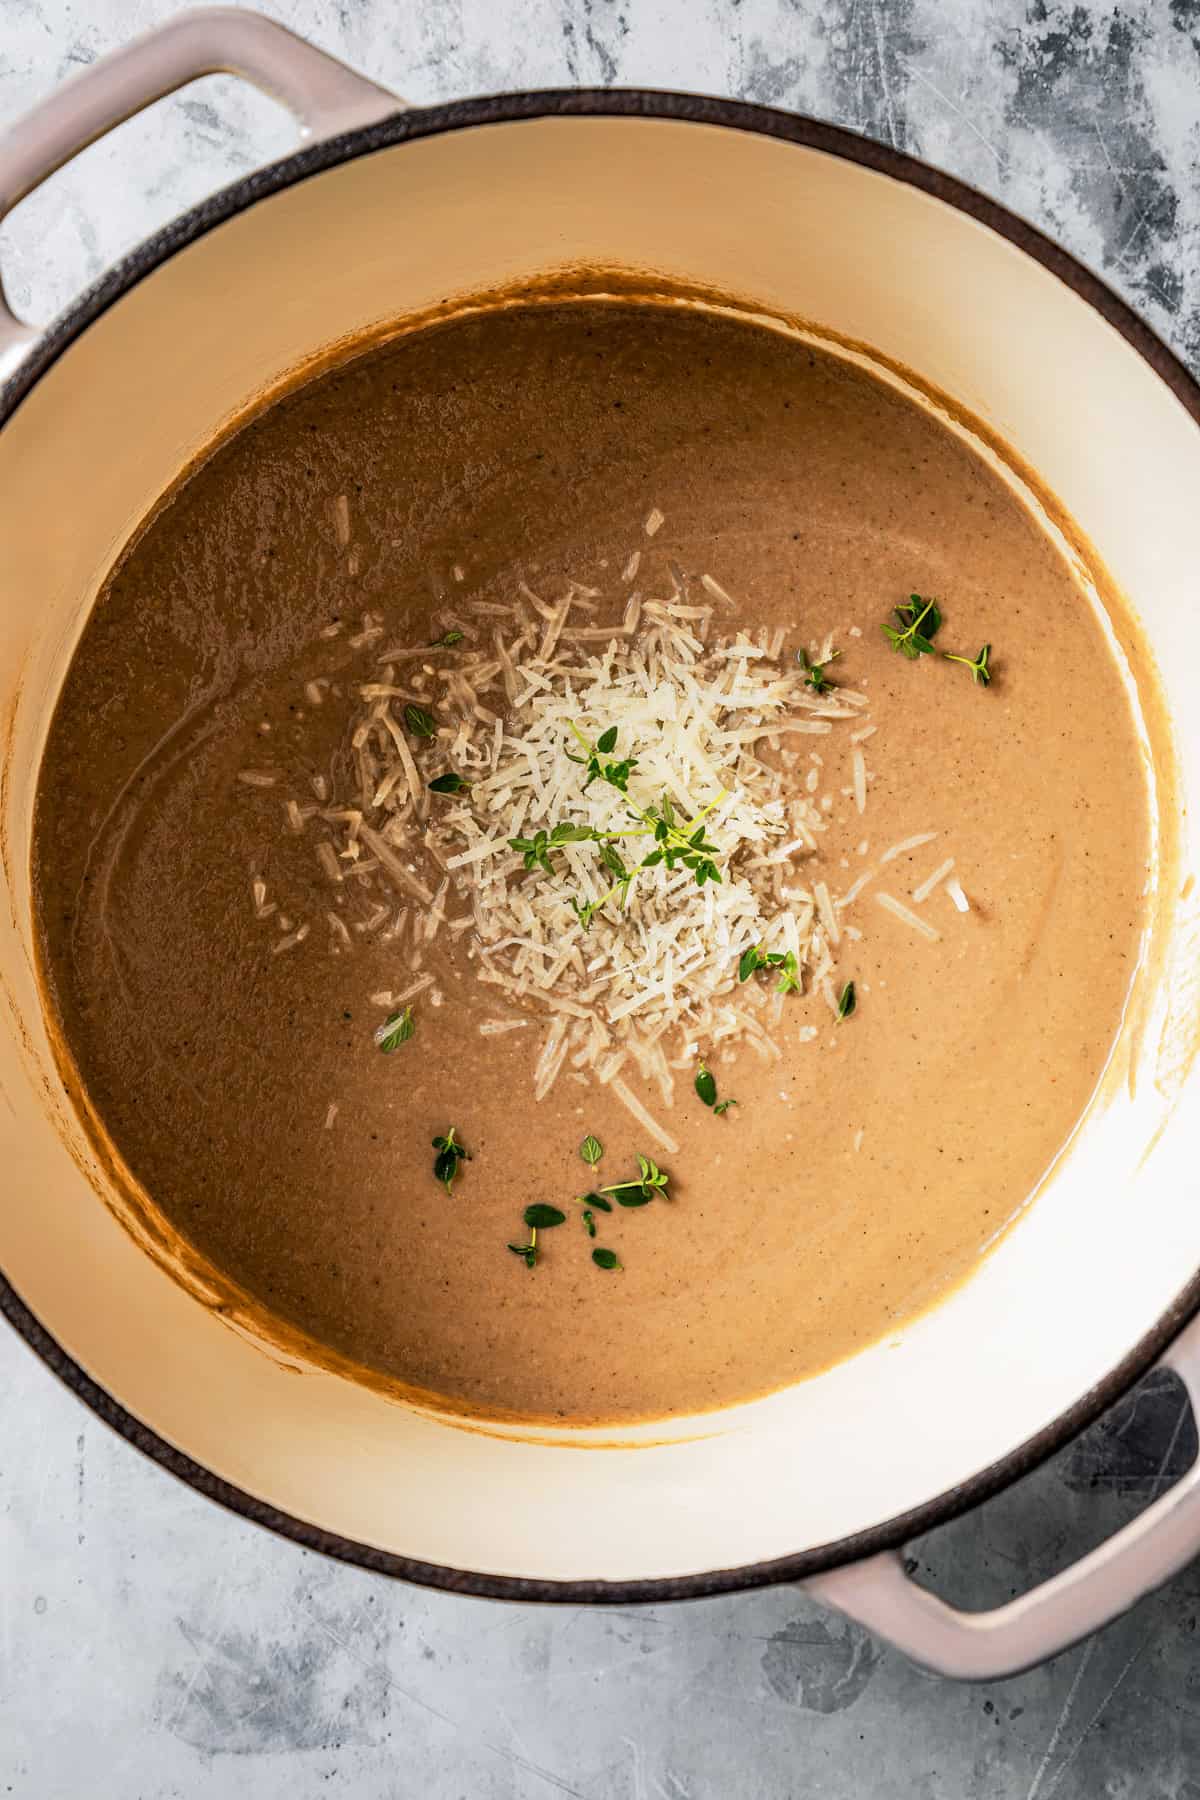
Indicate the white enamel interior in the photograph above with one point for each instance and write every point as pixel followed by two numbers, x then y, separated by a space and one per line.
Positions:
pixel 1092 1265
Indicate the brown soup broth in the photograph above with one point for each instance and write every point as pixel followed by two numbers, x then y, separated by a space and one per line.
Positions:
pixel 864 1168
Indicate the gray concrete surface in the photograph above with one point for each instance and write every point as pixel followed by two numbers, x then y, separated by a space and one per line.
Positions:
pixel 152 1648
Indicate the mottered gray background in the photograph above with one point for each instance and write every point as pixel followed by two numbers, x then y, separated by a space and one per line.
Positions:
pixel 153 1648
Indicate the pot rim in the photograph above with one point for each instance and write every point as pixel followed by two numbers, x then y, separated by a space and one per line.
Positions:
pixel 809 133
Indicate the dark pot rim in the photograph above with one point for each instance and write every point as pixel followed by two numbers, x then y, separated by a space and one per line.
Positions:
pixel 849 147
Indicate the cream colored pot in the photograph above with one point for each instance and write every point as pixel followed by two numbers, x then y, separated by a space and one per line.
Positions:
pixel 387 212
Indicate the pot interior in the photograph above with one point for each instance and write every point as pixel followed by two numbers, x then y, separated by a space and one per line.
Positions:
pixel 797 234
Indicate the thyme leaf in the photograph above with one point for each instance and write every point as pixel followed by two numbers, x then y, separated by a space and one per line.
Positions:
pixel 421 723
pixel 652 1180
pixel 919 622
pixel 528 1252
pixel 395 1030
pixel 449 1154
pixel 814 672
pixel 980 671
pixel 541 1218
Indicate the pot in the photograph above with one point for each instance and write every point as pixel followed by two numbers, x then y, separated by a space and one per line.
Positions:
pixel 386 212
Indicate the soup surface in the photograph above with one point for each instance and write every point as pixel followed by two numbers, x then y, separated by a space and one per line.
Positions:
pixel 223 941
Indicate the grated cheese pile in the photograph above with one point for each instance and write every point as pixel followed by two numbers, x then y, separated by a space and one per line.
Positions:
pixel 715 722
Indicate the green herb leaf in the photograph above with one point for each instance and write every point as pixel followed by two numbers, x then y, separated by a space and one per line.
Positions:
pixel 847 1001
pixel 640 1193
pixel 980 671
pixel 450 784
pixel 605 1259
pixel 395 1030
pixel 723 1106
pixel 536 851
pixel 920 621
pixel 541 1218
pixel 676 842
pixel 449 1154
pixel 752 959
pixel 591 1150
pixel 447 641
pixel 756 958
pixel 598 1200
pixel 527 1252
pixel 706 1085
pixel 814 672
pixel 419 722
pixel 789 980
pixel 589 1221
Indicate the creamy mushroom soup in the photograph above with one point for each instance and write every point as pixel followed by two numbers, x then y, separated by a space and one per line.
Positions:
pixel 591 858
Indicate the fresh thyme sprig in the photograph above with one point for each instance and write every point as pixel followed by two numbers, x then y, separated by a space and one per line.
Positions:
pixel 449 1154
pixel 616 774
pixel 591 1150
pixel 651 1181
pixel 980 671
pixel 537 1218
pixel 920 621
pixel 528 1252
pixel 538 849
pixel 675 842
pixel 814 672
pixel 756 958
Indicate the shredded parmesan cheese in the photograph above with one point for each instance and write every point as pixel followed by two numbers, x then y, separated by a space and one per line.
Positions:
pixel 907 844
pixel 631 1102
pixel 859 765
pixel 707 720
pixel 623 983
pixel 931 881
pixel 954 889
pixel 899 911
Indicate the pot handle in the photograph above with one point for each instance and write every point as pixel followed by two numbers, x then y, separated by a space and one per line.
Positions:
pixel 981 1646
pixel 325 96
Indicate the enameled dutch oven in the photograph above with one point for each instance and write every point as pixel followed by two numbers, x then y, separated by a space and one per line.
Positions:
pixel 387 212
